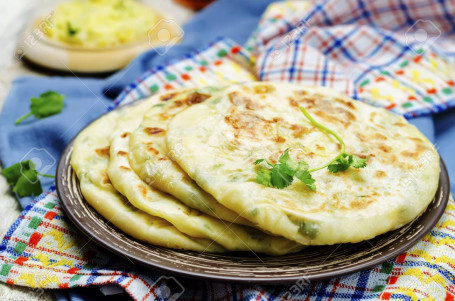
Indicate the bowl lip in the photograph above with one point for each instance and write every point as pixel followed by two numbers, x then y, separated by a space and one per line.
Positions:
pixel 44 39
pixel 443 189
pixel 41 37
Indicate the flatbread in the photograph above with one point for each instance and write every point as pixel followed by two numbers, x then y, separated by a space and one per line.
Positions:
pixel 90 159
pixel 223 137
pixel 192 222
pixel 150 160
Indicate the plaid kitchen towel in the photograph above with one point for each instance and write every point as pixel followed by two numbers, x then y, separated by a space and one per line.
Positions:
pixel 41 249
pixel 395 54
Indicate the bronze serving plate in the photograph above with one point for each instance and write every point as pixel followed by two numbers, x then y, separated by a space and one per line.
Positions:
pixel 313 263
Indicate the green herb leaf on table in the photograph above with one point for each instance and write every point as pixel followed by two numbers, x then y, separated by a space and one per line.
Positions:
pixel 49 103
pixel 24 178
pixel 282 174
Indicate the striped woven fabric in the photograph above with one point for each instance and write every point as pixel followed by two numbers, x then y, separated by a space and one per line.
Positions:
pixel 395 54
pixel 340 49
pixel 41 249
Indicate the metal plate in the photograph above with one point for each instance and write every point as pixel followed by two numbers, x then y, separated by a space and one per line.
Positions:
pixel 313 263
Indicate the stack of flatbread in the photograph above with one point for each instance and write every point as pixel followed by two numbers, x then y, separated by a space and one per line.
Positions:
pixel 180 169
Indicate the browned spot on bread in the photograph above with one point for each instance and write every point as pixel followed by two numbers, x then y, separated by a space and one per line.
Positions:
pixel 337 200
pixel 399 124
pixel 385 158
pixel 293 102
pixel 178 104
pixel 154 131
pixel 347 114
pixel 385 148
pixel 242 121
pixel 261 89
pixel 162 159
pixel 318 147
pixel 247 123
pixel 106 179
pixel 124 168
pixel 299 130
pixel 409 154
pixel 277 119
pixel 152 150
pixel 348 104
pixel 103 152
pixel 168 96
pixel 245 89
pixel 309 102
pixel 340 116
pixel 361 136
pixel 122 153
pixel 242 100
pixel 124 135
pixel 273 158
pixel 164 116
pixel 420 148
pixel 143 190
pixel 380 136
pixel 362 156
pixel 327 109
pixel 301 92
pixel 380 174
pixel 195 98
pixel 360 204
pixel 280 139
pixel 415 139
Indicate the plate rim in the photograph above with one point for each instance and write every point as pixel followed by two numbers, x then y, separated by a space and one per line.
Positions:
pixel 443 187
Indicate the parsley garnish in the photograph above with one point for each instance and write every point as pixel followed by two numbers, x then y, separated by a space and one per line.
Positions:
pixel 49 103
pixel 24 178
pixel 71 30
pixel 282 174
pixel 344 160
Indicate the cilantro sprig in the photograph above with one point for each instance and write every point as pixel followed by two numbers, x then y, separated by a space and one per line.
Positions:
pixel 71 30
pixel 343 160
pixel 282 174
pixel 49 103
pixel 24 178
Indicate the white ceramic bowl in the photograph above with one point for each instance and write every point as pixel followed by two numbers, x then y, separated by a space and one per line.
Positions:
pixel 41 50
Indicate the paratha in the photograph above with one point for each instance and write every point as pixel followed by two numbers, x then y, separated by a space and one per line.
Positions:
pixel 231 236
pixel 149 155
pixel 90 159
pixel 222 138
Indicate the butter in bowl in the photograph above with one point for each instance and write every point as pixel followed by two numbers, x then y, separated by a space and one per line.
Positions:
pixel 91 36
